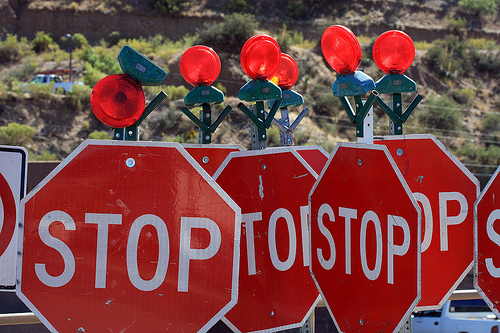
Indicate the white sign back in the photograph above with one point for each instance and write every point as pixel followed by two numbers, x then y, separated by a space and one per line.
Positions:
pixel 13 168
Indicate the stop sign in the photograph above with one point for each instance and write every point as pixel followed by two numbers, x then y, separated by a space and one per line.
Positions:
pixel 446 192
pixel 210 157
pixel 315 156
pixel 129 236
pixel 365 240
pixel 13 167
pixel 271 186
pixel 487 243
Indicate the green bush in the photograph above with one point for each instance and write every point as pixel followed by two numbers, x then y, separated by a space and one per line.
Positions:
pixel 176 92
pixel 79 41
pixel 488 61
pixel 13 50
pixel 472 153
pixel 45 155
pixel 103 62
pixel 114 37
pixel 449 57
pixel 92 76
pixel 40 91
pixel 43 42
pixel 230 35
pixel 16 135
pixel 479 6
pixel 287 38
pixel 20 72
pixel 100 135
pixel 440 112
pixel 237 6
pixel 491 123
pixel 296 9
pixel 79 96
pixel 171 7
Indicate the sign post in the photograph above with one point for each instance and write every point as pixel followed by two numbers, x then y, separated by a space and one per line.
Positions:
pixel 276 290
pixel 128 236
pixel 13 168
pixel 365 240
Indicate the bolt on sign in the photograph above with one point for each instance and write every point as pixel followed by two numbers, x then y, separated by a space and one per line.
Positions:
pixel 129 236
pixel 365 240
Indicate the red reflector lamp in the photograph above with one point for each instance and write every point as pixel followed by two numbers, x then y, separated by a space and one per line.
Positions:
pixel 200 65
pixel 260 56
pixel 287 72
pixel 285 77
pixel 393 52
pixel 118 100
pixel 341 49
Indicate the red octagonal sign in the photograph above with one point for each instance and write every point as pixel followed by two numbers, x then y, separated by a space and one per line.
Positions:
pixel 487 243
pixel 276 291
pixel 446 192
pixel 127 237
pixel 365 240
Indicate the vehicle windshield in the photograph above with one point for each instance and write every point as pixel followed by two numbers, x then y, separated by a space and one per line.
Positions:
pixel 469 305
pixel 36 79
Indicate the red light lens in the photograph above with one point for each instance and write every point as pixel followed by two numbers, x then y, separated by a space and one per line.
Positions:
pixel 260 56
pixel 341 49
pixel 393 52
pixel 200 65
pixel 287 73
pixel 118 100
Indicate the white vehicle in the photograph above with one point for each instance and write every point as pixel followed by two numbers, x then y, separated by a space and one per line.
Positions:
pixel 59 84
pixel 457 316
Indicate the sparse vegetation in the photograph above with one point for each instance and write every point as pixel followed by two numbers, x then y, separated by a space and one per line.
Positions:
pixel 171 7
pixel 100 135
pixel 16 134
pixel 230 35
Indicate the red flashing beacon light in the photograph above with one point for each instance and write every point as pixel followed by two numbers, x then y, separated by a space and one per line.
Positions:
pixel 260 57
pixel 200 65
pixel 118 100
pixel 341 49
pixel 287 72
pixel 393 52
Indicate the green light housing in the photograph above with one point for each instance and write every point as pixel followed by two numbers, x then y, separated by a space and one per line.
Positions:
pixel 140 68
pixel 203 95
pixel 259 90
pixel 395 83
pixel 352 84
pixel 288 98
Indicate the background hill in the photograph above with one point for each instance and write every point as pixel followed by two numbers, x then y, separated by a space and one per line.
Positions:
pixel 457 67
